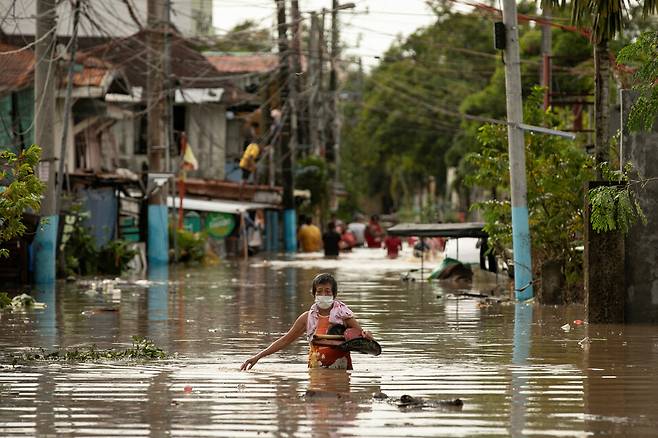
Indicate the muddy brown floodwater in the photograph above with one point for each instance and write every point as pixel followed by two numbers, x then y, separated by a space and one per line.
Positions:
pixel 517 372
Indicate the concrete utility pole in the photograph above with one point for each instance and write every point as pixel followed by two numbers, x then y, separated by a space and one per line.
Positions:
pixel 45 73
pixel 520 228
pixel 157 126
pixel 67 106
pixel 322 107
pixel 332 146
pixel 546 43
pixel 289 215
pixel 313 75
pixel 299 125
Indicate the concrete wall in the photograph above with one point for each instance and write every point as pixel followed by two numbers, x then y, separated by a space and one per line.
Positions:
pixel 641 149
pixel 206 133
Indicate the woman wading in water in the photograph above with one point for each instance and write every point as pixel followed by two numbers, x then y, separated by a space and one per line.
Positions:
pixel 326 312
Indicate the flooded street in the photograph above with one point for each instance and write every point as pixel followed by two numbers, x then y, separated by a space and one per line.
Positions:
pixel 516 370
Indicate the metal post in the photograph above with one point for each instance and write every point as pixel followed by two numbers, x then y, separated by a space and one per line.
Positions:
pixel 44 119
pixel 520 228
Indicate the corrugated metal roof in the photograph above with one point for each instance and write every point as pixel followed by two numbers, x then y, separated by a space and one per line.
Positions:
pixel 217 205
pixel 16 67
pixel 250 63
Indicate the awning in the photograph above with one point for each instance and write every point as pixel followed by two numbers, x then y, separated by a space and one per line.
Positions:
pixel 222 206
pixel 462 229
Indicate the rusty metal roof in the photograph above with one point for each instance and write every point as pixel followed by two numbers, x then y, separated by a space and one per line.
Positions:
pixel 16 67
pixel 244 63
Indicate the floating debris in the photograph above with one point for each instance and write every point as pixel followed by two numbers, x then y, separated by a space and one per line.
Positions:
pixel 142 349
pixel 408 402
pixel 19 302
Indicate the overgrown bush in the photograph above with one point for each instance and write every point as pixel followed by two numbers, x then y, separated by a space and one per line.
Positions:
pixel 191 246
pixel 82 257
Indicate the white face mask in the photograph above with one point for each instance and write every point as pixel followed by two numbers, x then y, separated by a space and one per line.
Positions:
pixel 324 301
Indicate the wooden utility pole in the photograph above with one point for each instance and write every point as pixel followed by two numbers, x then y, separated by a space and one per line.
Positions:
pixel 520 228
pixel 157 127
pixel 289 216
pixel 45 74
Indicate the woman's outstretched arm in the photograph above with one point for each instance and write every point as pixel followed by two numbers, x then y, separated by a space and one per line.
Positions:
pixel 297 329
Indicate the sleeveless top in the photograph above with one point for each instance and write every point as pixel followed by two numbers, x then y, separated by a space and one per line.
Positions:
pixel 327 357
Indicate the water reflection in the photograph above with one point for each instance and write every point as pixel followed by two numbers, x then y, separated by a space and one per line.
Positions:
pixel 516 370
pixel 520 377
pixel 46 318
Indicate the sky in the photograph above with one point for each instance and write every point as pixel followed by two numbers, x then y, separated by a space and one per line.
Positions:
pixel 368 30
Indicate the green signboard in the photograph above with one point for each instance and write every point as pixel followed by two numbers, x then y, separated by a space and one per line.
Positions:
pixel 220 225
pixel 192 222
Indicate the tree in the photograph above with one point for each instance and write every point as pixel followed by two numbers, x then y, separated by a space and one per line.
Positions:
pixel 246 36
pixel 21 191
pixel 606 19
pixel 643 54
pixel 396 135
pixel 557 170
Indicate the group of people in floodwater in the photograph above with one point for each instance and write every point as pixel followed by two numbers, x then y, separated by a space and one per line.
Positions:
pixel 339 237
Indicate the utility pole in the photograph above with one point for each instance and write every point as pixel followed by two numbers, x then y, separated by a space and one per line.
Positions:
pixel 322 107
pixel 67 106
pixel 289 215
pixel 300 125
pixel 157 127
pixel 314 83
pixel 520 228
pixel 333 89
pixel 332 146
pixel 45 71
pixel 546 43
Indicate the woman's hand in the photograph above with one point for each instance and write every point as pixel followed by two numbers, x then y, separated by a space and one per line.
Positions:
pixel 249 363
pixel 366 334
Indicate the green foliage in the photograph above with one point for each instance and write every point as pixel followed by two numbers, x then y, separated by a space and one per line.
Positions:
pixel 396 135
pixel 605 18
pixel 556 170
pixel 82 257
pixel 191 246
pixel 246 36
pixel 21 193
pixel 615 207
pixel 115 256
pixel 643 54
pixel 5 301
pixel 313 174
pixel 142 349
pixel 405 127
